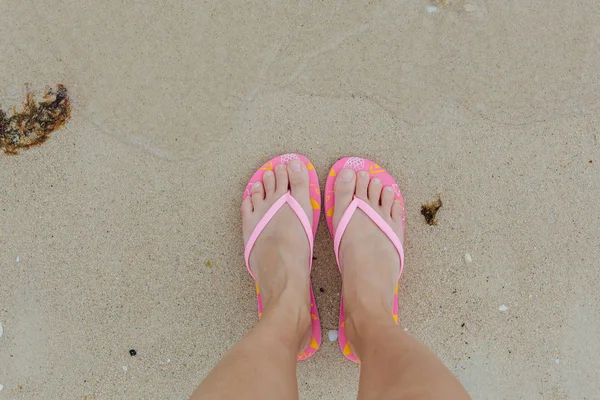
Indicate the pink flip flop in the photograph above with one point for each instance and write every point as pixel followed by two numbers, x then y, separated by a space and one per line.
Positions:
pixel 360 164
pixel 315 200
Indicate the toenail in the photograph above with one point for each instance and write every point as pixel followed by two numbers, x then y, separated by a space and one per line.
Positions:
pixel 268 173
pixel 363 174
pixel 346 175
pixel 377 181
pixel 295 166
pixel 256 185
pixel 388 189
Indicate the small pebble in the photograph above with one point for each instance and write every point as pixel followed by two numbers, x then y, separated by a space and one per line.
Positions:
pixel 17 259
pixel 432 9
pixel 132 352
pixel 332 336
pixel 468 258
pixel 557 361
pixel 1 329
pixel 1 387
pixel 169 360
pixel 469 8
pixel 124 368
pixel 502 308
pixel 405 329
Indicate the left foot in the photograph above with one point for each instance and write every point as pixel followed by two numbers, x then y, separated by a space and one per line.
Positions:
pixel 280 257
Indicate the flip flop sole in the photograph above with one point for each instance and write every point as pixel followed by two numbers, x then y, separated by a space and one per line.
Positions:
pixel 315 200
pixel 357 164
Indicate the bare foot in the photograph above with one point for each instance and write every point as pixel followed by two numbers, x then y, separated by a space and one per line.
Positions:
pixel 369 261
pixel 280 257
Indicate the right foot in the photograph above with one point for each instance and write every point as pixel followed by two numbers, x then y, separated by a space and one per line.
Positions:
pixel 368 260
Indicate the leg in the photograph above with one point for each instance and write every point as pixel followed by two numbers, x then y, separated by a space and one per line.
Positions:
pixel 263 364
pixel 393 364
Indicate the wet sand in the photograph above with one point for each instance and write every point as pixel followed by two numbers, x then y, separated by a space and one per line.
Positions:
pixel 122 231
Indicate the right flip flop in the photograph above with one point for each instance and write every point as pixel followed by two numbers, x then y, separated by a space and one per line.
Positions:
pixel 360 164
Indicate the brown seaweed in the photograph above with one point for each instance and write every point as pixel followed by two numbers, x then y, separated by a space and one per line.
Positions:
pixel 33 125
pixel 430 209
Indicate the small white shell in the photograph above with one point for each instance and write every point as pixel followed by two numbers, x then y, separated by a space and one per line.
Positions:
pixel 468 258
pixel 502 308
pixel 332 336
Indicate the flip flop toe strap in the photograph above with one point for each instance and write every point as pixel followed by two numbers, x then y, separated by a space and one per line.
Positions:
pixel 298 210
pixel 376 218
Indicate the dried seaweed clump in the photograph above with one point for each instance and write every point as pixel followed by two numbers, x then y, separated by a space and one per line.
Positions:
pixel 430 209
pixel 33 125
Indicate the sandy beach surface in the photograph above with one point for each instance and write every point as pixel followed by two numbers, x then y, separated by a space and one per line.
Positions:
pixel 122 231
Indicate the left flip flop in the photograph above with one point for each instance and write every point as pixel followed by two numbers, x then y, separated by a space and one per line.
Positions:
pixel 315 201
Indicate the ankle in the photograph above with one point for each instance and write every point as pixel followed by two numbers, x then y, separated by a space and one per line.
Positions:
pixel 363 325
pixel 367 301
pixel 291 303
pixel 367 286
pixel 288 300
pixel 289 317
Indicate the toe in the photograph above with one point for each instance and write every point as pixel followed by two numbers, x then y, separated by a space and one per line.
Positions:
pixel 281 178
pixel 387 200
pixel 269 182
pixel 246 207
pixel 257 193
pixel 345 186
pixel 298 177
pixel 397 211
pixel 362 183
pixel 375 191
pixel 247 211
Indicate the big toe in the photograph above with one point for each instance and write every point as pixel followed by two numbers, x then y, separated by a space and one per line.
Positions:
pixel 345 186
pixel 299 184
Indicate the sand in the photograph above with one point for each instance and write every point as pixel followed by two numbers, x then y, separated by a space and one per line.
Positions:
pixel 123 231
